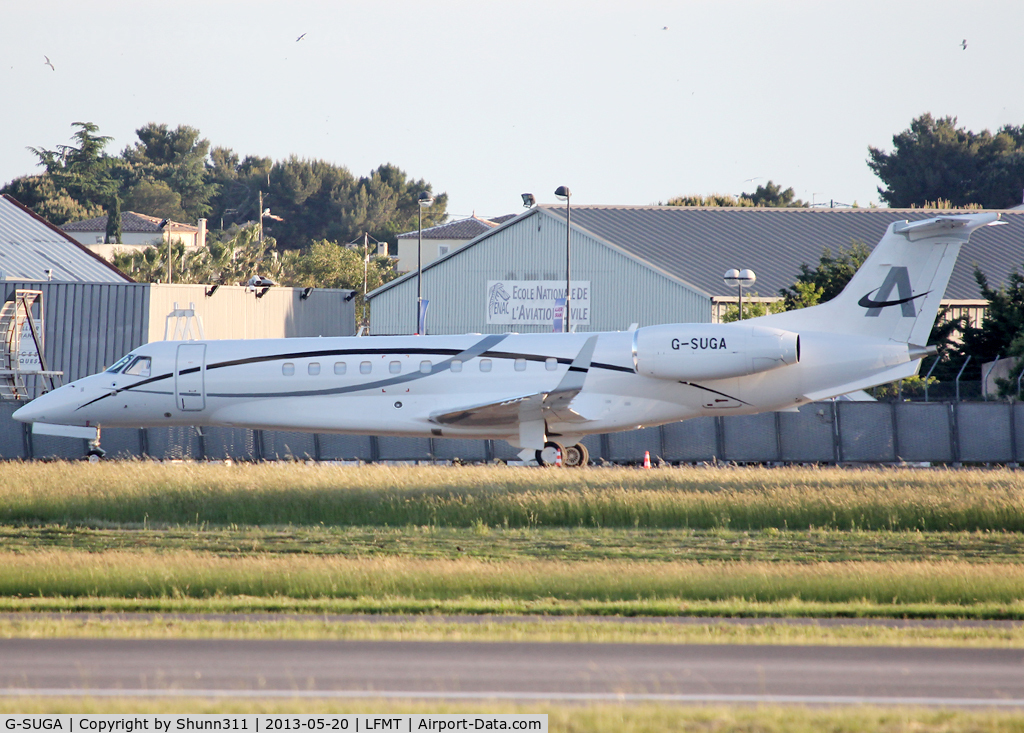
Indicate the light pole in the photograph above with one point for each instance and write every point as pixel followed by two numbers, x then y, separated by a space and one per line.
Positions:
pixel 563 193
pixel 740 279
pixel 424 200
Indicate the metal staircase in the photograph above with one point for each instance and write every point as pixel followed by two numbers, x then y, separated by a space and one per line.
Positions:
pixel 23 372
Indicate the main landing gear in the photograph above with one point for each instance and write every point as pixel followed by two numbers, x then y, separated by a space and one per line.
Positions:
pixel 573 456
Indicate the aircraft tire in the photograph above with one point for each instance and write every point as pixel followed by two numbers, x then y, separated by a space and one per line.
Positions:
pixel 546 455
pixel 576 456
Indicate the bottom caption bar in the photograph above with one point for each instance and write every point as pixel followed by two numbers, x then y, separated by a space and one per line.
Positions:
pixel 361 723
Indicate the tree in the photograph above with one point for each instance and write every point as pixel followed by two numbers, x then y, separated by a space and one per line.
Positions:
pixel 333 265
pixel 53 203
pixel 1002 330
pixel 827 280
pixel 83 170
pixel 114 221
pixel 772 195
pixel 176 158
pixel 155 198
pixel 712 199
pixel 752 309
pixel 934 160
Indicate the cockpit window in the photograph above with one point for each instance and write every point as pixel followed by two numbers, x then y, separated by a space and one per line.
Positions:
pixel 120 363
pixel 140 367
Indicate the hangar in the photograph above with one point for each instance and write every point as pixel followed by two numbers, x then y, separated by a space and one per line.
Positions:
pixel 655 264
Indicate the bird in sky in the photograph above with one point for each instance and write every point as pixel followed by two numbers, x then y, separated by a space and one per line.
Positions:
pixel 47 63
pixel 963 44
pixel 300 38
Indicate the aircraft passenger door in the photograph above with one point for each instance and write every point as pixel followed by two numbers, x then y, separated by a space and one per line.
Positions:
pixel 190 377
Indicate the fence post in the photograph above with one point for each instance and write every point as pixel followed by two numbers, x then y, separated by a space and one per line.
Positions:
pixel 257 445
pixel 606 447
pixel 778 436
pixel 966 361
pixel 1013 432
pixel 26 440
pixel 837 434
pixel 954 432
pixel 986 375
pixel 374 449
pixel 316 447
pixel 895 431
pixel 929 375
pixel 719 438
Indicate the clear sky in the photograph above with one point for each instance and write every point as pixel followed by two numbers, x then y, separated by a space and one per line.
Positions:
pixel 624 102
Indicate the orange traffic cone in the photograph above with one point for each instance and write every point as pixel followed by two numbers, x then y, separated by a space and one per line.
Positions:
pixel 558 458
pixel 647 459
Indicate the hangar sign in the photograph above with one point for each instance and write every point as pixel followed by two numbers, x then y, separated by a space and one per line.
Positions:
pixel 532 302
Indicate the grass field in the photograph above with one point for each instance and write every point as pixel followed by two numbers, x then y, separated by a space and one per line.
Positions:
pixel 479 540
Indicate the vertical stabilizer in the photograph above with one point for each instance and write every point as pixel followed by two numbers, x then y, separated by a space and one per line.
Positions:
pixel 896 292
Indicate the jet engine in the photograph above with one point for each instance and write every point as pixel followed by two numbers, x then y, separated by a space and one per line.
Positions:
pixel 711 350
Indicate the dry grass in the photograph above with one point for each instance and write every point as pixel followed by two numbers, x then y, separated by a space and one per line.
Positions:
pixel 146 494
pixel 201 575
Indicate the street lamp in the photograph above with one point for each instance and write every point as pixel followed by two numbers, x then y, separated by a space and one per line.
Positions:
pixel 564 194
pixel 528 201
pixel 424 200
pixel 740 279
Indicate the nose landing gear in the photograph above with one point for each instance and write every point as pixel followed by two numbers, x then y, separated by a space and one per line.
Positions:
pixel 95 453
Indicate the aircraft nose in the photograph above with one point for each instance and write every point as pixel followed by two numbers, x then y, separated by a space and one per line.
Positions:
pixel 32 412
pixel 52 407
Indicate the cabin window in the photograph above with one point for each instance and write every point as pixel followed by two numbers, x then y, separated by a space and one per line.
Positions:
pixel 456 365
pixel 288 369
pixel 365 367
pixel 140 367
pixel 485 365
pixel 520 365
pixel 395 367
pixel 314 368
pixel 339 367
pixel 551 363
pixel 425 366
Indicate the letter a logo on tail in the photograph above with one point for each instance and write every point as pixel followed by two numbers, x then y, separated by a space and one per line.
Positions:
pixel 898 278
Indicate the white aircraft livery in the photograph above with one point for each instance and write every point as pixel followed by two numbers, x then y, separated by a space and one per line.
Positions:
pixel 540 392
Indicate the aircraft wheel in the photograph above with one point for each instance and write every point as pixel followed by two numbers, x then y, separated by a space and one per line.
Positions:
pixel 546 456
pixel 576 456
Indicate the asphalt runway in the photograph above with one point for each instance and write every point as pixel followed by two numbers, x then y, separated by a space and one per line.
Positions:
pixel 556 672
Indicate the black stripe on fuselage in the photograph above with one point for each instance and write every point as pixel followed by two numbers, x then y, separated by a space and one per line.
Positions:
pixel 455 354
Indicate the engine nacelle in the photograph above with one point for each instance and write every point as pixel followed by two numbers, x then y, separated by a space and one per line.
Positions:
pixel 689 351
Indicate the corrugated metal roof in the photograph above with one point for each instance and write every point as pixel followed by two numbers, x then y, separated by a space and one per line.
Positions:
pixel 468 228
pixel 30 245
pixel 131 223
pixel 699 244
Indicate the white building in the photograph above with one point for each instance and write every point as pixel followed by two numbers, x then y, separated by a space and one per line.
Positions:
pixel 442 239
pixel 138 231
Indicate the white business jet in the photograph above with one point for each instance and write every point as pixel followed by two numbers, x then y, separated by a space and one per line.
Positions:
pixel 540 392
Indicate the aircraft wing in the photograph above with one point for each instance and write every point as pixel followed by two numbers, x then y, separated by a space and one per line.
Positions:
pixel 515 409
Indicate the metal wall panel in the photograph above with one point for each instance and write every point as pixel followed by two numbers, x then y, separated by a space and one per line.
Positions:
pixel 751 438
pixel 234 312
pixel 922 431
pixel 282 445
pixel 692 440
pixel 629 447
pixel 238 444
pixel 808 436
pixel 446 449
pixel 866 432
pixel 335 447
pixel 624 290
pixel 12 440
pixel 984 431
pixel 88 326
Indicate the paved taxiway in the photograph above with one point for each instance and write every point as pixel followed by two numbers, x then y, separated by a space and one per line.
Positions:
pixel 527 671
